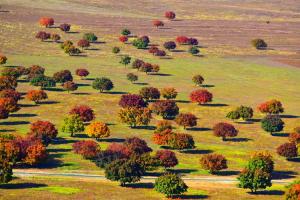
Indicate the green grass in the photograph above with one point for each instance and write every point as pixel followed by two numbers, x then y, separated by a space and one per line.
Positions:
pixel 59 189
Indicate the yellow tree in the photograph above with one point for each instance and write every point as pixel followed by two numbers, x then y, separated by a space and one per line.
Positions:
pixel 97 130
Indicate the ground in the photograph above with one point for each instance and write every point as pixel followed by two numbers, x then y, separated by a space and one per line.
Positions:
pixel 236 73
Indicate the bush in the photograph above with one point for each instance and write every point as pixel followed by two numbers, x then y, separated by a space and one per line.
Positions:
pixel 198 80
pixel 170 184
pixel 91 37
pixel 62 76
pixel 43 130
pixel 158 23
pixel 83 43
pixel 224 130
pixel 137 64
pixel 42 81
pixel 97 130
pixel 9 93
pixel 65 27
pixel 55 37
pixel 201 96
pixel 70 86
pixel 163 125
pixel 82 72
pixel 132 100
pixel 213 162
pixel 46 21
pixel 139 43
pixel 42 35
pixel 137 145
pixel 181 141
pixel 271 107
pixel 170 15
pixel 132 77
pixel 153 50
pixel 36 95
pixel 125 60
pixel 168 109
pixel 123 39
pixel 8 82
pixel 170 45
pixel 182 40
pixel 87 148
pixel 116 50
pixel 288 150
pixel 160 53
pixel 3 59
pixel 167 158
pixel 102 84
pixel 72 124
pixel 259 44
pixel 272 123
pixel 125 31
pixel 150 93
pixel 169 93
pixel 85 113
pixel 193 41
pixel 186 120
pixel 134 116
pixel 233 115
pixel 194 50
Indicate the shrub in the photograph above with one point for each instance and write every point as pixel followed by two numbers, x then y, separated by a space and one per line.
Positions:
pixel 170 184
pixel 137 64
pixel 71 50
pixel 224 130
pixel 193 41
pixel 198 80
pixel 150 93
pixel 42 81
pixel 91 37
pixel 97 130
pixel 186 120
pixel 167 158
pixel 3 113
pixel 8 82
pixel 66 43
pixel 82 72
pixel 158 23
pixel 9 104
pixel 153 49
pixel 139 43
pixel 125 31
pixel 85 113
pixel 170 45
pixel 169 93
pixel 116 50
pixel 36 95
pixel 145 39
pixel 134 116
pixel 102 84
pixel 132 100
pixel 43 130
pixel 194 50
pixel 3 59
pixel 168 109
pixel 62 76
pixel 46 21
pixel 72 124
pixel 160 53
pixel 201 96
pixel 55 37
pixel 35 154
pixel 83 43
pixel 294 137
pixel 259 44
pixel 163 125
pixel 213 162
pixel 70 86
pixel 181 141
pixel 65 27
pixel 137 145
pixel 42 35
pixel 9 93
pixel 271 107
pixel 125 60
pixel 233 115
pixel 123 38
pixel 288 150
pixel 170 15
pixel 272 123
pixel 132 77
pixel 87 148
pixel 182 40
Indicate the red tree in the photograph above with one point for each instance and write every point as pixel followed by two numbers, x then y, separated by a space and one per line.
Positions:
pixel 42 35
pixel 123 38
pixel 36 95
pixel 132 100
pixel 9 93
pixel 85 112
pixel 186 120
pixel 170 15
pixel 9 104
pixel 8 82
pixel 288 150
pixel 167 158
pixel 43 130
pixel 158 23
pixel 137 145
pixel 46 21
pixel 201 96
pixel 224 130
pixel 122 150
pixel 83 43
pixel 82 72
pixel 182 40
pixel 87 148
pixel 153 49
pixel 36 153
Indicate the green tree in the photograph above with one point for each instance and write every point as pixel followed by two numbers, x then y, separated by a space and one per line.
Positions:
pixel 125 31
pixel 135 116
pixel 245 112
pixel 72 124
pixel 233 115
pixel 43 81
pixel 102 84
pixel 91 37
pixel 125 60
pixel 170 184
pixel 139 43
pixel 6 161
pixel 194 50
pixel 116 50
pixel 272 123
pixel 132 77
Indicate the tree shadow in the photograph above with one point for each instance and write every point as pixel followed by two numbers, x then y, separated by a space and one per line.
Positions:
pixel 268 192
pixel 90 79
pixel 181 171
pixel 155 174
pixel 115 92
pixel 14 186
pixel 227 173
pixel 145 127
pixel 58 150
pixel 22 115
pixel 166 28
pixel 280 134
pixel 80 93
pixel 92 49
pixel 79 55
pixel 276 175
pixel 160 74
pixel 178 51
pixel 112 140
pixel 289 116
pixel 7 130
pixel 140 185
pixel 53 162
pixel 81 135
pixel 141 83
pixel 28 105
pixel 72 32
pixel 59 141
pixel 182 101
pixel 98 42
pixel 215 105
pixel 245 122
pixel 22 81
pixel 199 129
pixel 190 196
pixel 207 86
pixel 238 139
pixel 49 102
pixel 14 123
pixel 83 84
pixel 294 159
pixel 196 151
pixel 253 120
pixel 166 58
pixel 4 11
pixel 53 89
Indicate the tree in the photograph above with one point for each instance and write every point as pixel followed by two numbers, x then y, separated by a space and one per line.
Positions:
pixel 3 113
pixel 8 82
pixel 182 40
pixel 132 77
pixel 97 130
pixel 170 15
pixel 46 21
pixel 91 37
pixel 245 112
pixel 224 130
pixel 146 67
pixel 125 60
pixel 42 35
pixel 36 95
pixel 62 76
pixel 194 50
pixel 271 107
pixel 262 160
pixel 132 100
pixel 167 158
pixel 233 115
pixel 82 73
pixel 180 141
pixel 15 72
pixel 3 59
pixel 43 130
pixel 71 50
pixel 35 153
pixel 9 93
pixel 123 38
pixel 125 32
pixel 157 23
pixel 186 120
pixel 9 104
pixel 163 125
pixel 153 50
pixel 6 163
pixel 168 109
pixel 150 93
pixel 66 43
pixel 42 81
pixel 137 64
pixel 70 86
pixel 88 149
pixel 116 50
pixel 193 41
pixel 288 150
pixel 140 43
pixel 259 44
pixel 170 45
pixel 102 84
pixel 293 191
pixel 72 124
pixel 169 93
pixel 160 53
pixel 145 39
pixel 137 145
pixel 213 162
pixel 272 123
pixel 293 137
pixel 170 184
pixel 124 171
pixel 198 80
pixel 55 37
pixel 65 27
pixel 121 149
pixel 85 113
pixel 84 44
pixel 201 96
pixel 134 116
pixel 163 137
